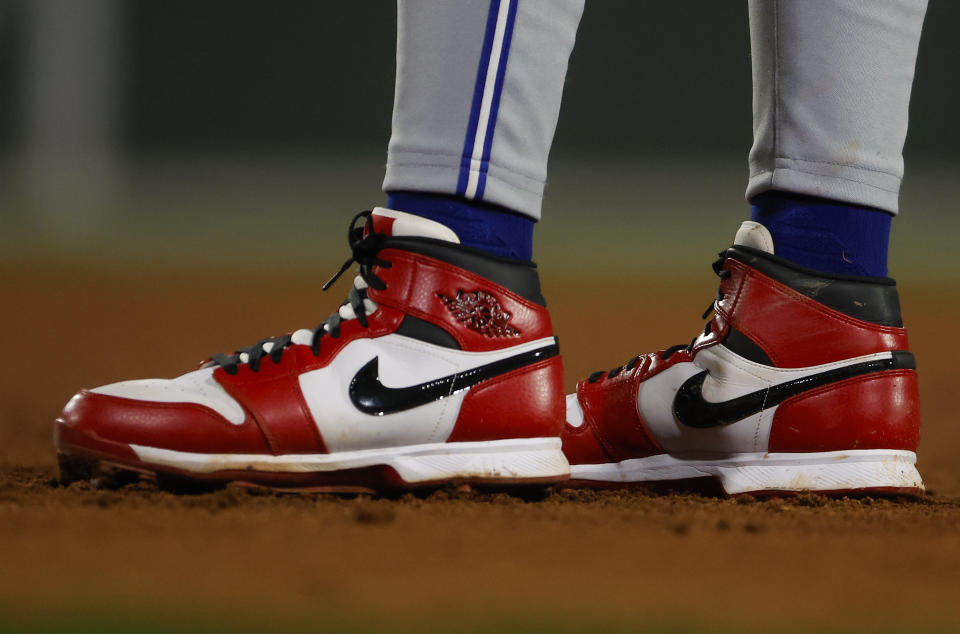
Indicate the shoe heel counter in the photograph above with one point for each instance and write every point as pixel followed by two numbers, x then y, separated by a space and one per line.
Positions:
pixel 526 403
pixel 876 411
pixel 799 319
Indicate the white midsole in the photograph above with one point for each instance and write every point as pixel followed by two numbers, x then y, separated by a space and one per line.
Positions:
pixel 743 472
pixel 518 458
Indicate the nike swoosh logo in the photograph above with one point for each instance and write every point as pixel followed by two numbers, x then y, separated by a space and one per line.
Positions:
pixel 692 410
pixel 370 396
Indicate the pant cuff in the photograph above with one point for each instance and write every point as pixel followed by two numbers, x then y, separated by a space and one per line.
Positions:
pixel 438 174
pixel 844 183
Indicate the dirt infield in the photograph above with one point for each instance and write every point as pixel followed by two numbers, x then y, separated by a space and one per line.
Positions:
pixel 75 557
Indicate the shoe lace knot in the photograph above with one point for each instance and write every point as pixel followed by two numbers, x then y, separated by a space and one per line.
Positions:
pixel 365 247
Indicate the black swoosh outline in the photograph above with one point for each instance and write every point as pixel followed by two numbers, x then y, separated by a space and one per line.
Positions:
pixel 370 396
pixel 692 410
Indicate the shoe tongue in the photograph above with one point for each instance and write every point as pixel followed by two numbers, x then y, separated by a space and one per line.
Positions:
pixel 755 235
pixel 399 223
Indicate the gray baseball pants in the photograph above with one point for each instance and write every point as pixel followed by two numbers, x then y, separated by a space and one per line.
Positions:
pixel 479 84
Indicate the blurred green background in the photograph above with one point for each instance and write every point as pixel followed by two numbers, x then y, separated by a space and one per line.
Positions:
pixel 159 131
pixel 246 76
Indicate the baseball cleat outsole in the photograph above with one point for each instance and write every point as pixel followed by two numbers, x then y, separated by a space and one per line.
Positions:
pixel 521 463
pixel 864 472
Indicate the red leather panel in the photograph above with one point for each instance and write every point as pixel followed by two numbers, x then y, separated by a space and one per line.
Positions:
pixel 794 330
pixel 653 364
pixel 382 322
pixel 610 408
pixel 717 333
pixel 580 446
pixel 176 426
pixel 272 395
pixel 414 281
pixel 525 403
pixel 876 411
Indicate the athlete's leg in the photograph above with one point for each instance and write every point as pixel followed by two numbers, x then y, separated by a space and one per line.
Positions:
pixel 477 98
pixel 801 380
pixel 831 89
pixel 441 365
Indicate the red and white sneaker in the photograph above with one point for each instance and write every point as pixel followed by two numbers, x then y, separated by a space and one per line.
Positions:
pixel 441 366
pixel 801 381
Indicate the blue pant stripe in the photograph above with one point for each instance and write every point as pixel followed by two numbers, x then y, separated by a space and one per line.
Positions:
pixel 497 91
pixel 478 96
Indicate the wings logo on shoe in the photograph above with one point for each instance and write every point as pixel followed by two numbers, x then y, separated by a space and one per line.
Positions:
pixel 481 312
pixel 370 396
pixel 691 409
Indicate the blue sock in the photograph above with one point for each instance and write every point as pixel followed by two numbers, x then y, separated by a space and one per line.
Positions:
pixel 490 228
pixel 825 235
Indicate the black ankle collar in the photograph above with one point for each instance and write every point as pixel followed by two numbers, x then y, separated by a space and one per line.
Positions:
pixel 871 299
